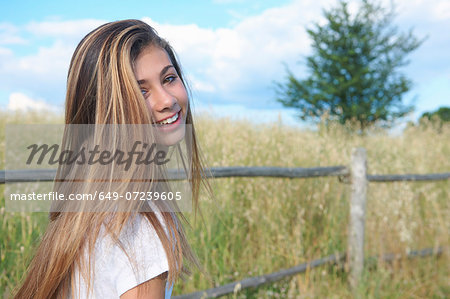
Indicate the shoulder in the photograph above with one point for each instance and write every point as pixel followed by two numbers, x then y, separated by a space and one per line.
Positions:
pixel 138 256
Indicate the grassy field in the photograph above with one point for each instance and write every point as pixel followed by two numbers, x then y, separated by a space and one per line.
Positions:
pixel 255 226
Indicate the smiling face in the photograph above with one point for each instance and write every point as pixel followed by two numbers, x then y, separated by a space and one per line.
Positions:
pixel 164 92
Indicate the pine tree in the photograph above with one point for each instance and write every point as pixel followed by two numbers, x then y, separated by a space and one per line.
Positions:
pixel 354 68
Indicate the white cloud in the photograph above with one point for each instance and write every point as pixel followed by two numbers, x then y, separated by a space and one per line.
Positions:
pixel 442 10
pixel 63 29
pixel 42 74
pixel 5 52
pixel 9 35
pixel 48 61
pixel 202 86
pixel 420 10
pixel 247 56
pixel 21 102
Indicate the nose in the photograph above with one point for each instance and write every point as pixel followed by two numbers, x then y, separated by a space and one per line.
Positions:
pixel 161 100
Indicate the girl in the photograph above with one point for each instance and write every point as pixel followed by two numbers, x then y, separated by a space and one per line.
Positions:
pixel 120 73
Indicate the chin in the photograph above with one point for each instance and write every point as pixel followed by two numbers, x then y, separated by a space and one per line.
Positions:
pixel 170 136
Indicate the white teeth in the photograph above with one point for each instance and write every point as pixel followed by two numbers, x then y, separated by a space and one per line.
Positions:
pixel 169 120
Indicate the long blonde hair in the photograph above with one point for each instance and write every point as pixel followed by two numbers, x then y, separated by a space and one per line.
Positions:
pixel 102 89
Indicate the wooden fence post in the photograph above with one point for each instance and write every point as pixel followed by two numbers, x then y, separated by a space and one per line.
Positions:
pixel 355 249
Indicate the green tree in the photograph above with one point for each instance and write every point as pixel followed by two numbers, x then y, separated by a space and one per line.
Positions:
pixel 354 68
pixel 442 114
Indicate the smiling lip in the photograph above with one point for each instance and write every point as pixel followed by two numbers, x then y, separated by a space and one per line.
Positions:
pixel 167 128
pixel 159 121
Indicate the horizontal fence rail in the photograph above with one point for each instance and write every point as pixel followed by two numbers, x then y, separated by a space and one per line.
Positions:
pixel 28 175
pixel 48 175
pixel 390 257
pixel 42 175
pixel 257 281
pixel 408 177
pixel 281 172
pixel 263 279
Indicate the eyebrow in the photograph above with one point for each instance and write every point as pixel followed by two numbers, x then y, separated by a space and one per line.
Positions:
pixel 163 71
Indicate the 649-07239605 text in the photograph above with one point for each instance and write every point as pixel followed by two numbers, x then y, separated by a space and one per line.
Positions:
pixel 51 196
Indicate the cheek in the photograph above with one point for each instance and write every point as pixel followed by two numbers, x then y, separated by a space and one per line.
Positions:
pixel 149 105
pixel 182 97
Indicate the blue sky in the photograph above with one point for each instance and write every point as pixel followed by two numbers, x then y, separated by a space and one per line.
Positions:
pixel 232 51
pixel 208 14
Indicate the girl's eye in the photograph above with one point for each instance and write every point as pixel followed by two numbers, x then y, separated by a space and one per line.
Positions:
pixel 170 79
pixel 144 92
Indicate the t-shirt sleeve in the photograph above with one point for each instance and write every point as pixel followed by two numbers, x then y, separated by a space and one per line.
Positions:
pixel 145 257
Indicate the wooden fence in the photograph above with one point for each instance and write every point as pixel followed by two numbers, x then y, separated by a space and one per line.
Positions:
pixel 356 175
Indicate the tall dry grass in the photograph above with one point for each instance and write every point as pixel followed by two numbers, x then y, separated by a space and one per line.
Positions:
pixel 260 225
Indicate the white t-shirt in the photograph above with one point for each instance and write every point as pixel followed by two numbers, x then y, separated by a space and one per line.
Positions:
pixel 114 274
